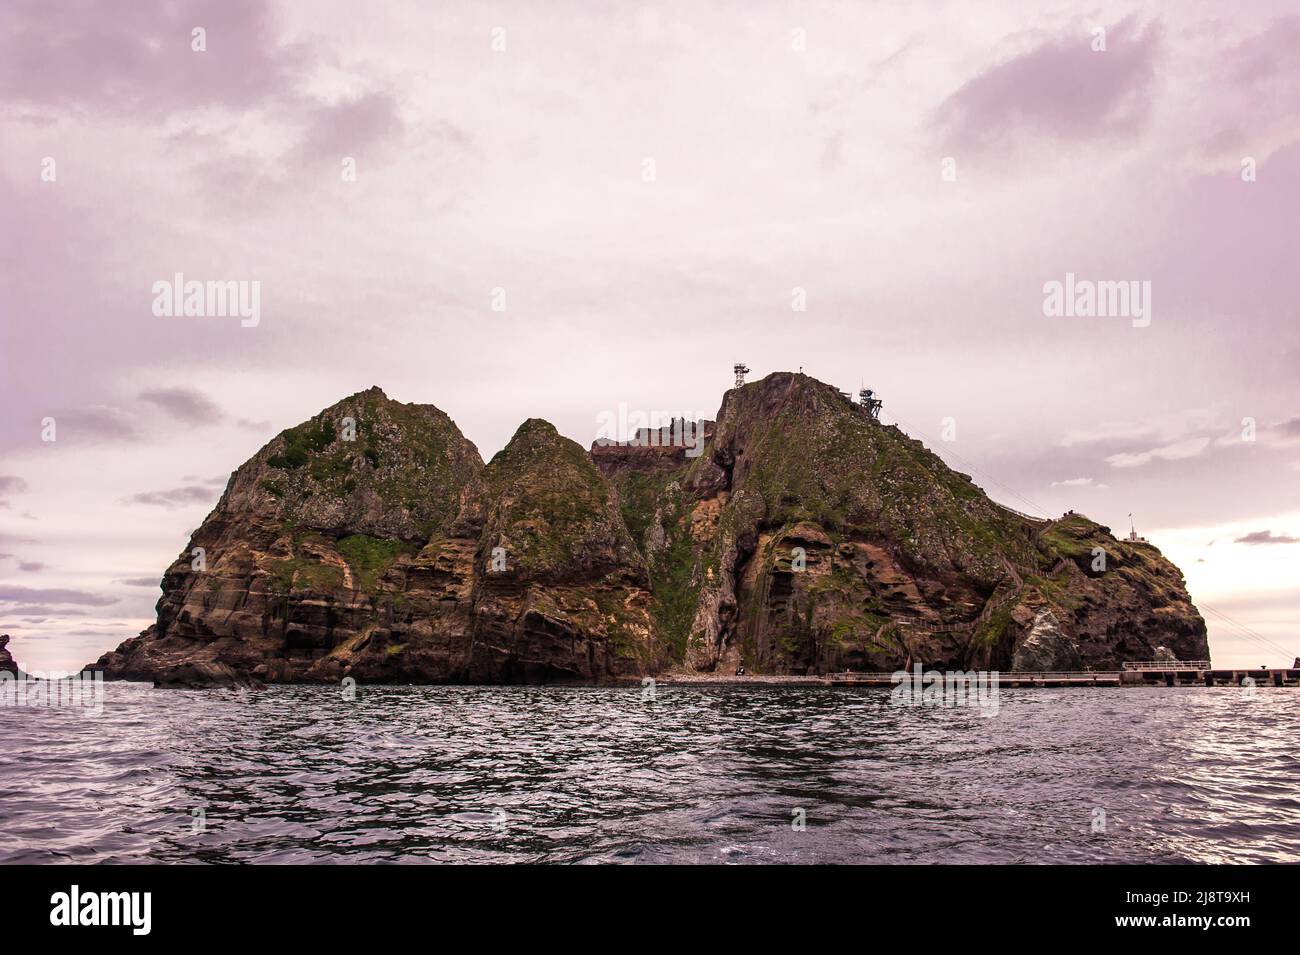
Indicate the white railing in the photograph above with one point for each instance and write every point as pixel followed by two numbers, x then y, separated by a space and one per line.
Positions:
pixel 1166 665
pixel 934 626
pixel 1004 675
pixel 1028 517
pixel 1061 675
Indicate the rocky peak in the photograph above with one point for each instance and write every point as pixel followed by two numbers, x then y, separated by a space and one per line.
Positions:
pixel 365 465
pixel 790 448
pixel 551 509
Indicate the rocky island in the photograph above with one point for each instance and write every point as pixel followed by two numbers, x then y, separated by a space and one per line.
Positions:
pixel 7 664
pixel 373 542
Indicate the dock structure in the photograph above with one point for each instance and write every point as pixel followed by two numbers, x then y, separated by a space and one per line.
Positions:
pixel 1260 677
pixel 1163 672
pixel 1194 672
pixel 1143 673
pixel 1063 678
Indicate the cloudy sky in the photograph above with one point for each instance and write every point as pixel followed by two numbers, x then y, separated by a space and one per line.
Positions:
pixel 647 187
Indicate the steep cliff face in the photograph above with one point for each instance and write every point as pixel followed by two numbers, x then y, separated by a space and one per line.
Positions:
pixel 810 538
pixel 1118 599
pixel 372 542
pixel 564 594
pixel 394 554
pixel 314 550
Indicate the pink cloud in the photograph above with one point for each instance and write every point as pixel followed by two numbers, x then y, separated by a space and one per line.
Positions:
pixel 1273 52
pixel 137 56
pixel 350 128
pixel 1061 89
pixel 1189 448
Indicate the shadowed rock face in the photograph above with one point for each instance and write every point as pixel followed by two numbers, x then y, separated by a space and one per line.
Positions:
pixel 372 542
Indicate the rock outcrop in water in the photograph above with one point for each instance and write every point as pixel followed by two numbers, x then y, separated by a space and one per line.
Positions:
pixel 373 542
pixel 7 664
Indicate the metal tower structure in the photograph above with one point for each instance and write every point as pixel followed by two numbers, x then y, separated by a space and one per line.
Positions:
pixel 870 402
pixel 741 371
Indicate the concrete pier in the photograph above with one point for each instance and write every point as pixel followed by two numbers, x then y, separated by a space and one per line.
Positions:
pixel 1174 676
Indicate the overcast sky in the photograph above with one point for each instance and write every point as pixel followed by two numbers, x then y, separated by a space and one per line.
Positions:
pixel 649 185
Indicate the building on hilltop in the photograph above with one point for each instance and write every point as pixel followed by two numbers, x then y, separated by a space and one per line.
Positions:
pixel 1133 534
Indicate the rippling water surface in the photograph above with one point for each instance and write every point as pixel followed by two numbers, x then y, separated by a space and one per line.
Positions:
pixel 699 774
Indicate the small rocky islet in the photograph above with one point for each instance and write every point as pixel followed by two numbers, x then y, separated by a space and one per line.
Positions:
pixel 7 663
pixel 373 542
